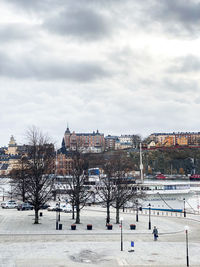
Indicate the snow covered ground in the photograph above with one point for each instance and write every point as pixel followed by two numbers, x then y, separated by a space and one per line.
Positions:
pixel 23 244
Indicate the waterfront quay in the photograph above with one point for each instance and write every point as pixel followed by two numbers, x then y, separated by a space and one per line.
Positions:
pixel 24 244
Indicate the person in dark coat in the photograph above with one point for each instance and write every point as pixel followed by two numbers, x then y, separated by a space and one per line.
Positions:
pixel 155 233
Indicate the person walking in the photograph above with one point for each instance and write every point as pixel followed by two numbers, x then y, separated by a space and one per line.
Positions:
pixel 155 233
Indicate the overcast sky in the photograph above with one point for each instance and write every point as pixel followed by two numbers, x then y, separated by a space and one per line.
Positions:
pixel 120 66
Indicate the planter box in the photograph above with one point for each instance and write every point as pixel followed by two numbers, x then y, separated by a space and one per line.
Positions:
pixel 89 226
pixel 132 226
pixel 109 226
pixel 73 227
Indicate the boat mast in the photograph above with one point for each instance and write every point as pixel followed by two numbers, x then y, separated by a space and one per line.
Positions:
pixel 141 165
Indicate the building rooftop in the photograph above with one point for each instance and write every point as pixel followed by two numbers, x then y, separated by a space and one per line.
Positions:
pixel 176 133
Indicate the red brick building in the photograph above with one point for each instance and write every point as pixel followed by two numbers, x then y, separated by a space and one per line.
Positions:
pixel 84 142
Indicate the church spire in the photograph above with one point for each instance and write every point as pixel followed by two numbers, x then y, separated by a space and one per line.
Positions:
pixel 67 130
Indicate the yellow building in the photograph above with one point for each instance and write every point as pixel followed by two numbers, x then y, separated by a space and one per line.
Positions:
pixel 169 141
pixel 179 138
pixel 182 141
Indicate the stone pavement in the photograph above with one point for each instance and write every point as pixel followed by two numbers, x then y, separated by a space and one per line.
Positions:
pixel 24 244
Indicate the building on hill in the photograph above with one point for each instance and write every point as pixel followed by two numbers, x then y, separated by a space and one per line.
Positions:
pixel 182 141
pixel 176 138
pixel 73 142
pixel 10 156
pixel 169 141
pixel 121 142
pixel 110 141
pixel 151 144
pixel 126 141
pixel 84 142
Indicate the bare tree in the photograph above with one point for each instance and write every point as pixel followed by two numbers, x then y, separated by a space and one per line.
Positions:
pixel 136 140
pixel 39 166
pixel 105 188
pixel 79 191
pixel 116 188
pixel 123 184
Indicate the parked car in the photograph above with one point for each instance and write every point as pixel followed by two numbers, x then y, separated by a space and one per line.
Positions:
pixel 45 206
pixel 53 208
pixel 67 208
pixel 11 204
pixel 25 206
pixel 61 207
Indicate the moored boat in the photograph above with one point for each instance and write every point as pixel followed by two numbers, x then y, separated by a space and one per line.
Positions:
pixel 195 177
pixel 165 195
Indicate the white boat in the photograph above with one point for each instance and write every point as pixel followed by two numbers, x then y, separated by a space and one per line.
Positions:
pixel 165 195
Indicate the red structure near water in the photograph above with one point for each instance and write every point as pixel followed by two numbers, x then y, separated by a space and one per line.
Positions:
pixel 160 176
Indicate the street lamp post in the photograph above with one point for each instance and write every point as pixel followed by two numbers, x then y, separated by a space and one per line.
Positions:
pixel 121 220
pixel 59 210
pixel 57 213
pixel 184 211
pixel 149 216
pixel 56 218
pixel 136 210
pixel 187 253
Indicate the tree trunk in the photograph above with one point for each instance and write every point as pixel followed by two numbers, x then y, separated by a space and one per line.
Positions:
pixel 78 215
pixel 108 213
pixel 54 195
pixel 117 214
pixel 73 212
pixel 23 193
pixel 36 216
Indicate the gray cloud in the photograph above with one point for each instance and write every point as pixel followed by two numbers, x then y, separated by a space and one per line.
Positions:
pixel 186 64
pixel 80 22
pixel 87 19
pixel 15 32
pixel 36 5
pixel 185 85
pixel 180 17
pixel 49 70
pixel 83 19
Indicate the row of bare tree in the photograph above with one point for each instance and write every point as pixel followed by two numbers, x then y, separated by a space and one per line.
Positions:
pixel 34 182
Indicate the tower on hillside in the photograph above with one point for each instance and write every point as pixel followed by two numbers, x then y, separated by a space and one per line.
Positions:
pixel 12 146
pixel 66 139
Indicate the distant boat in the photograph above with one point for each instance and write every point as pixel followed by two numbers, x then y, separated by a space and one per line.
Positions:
pixel 164 195
pixel 160 176
pixel 195 177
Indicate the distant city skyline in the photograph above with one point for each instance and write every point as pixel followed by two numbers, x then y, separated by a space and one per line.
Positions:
pixel 119 66
pixel 58 141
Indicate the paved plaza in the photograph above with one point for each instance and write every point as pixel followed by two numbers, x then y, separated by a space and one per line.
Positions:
pixel 23 244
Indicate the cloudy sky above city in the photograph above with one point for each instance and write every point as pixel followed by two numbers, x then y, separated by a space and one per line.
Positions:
pixel 120 66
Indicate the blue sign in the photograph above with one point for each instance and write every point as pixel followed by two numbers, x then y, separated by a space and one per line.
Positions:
pixel 93 171
pixel 132 243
